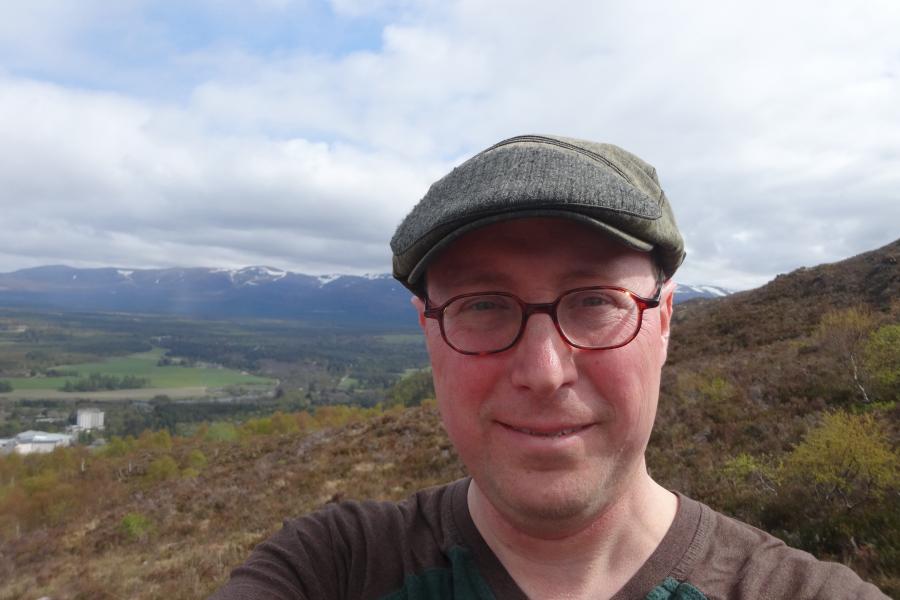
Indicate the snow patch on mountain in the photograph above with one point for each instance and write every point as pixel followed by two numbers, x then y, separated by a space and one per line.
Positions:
pixel 256 275
pixel 326 279
pixel 713 290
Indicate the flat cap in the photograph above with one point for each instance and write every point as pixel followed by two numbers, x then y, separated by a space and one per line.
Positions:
pixel 600 185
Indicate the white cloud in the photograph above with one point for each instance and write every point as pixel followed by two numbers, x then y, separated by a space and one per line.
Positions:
pixel 773 128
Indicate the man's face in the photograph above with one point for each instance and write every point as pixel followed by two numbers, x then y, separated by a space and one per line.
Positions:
pixel 550 433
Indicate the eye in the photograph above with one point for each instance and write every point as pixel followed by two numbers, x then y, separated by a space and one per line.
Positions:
pixel 592 299
pixel 483 304
pixel 595 300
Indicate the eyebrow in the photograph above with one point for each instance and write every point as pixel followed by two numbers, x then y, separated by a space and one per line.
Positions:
pixel 483 280
pixel 475 279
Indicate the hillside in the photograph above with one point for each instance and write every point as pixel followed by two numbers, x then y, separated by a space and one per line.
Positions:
pixel 743 425
pixel 789 306
pixel 197 527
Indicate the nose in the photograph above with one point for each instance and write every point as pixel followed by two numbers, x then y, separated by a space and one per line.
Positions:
pixel 543 361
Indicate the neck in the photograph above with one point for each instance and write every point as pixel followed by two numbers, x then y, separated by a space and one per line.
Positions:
pixel 592 560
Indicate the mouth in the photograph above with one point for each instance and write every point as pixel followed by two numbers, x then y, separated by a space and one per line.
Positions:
pixel 547 433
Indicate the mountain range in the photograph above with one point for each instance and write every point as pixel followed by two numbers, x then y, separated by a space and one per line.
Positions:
pixel 251 292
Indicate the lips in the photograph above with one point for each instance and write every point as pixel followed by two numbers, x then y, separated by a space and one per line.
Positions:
pixel 548 433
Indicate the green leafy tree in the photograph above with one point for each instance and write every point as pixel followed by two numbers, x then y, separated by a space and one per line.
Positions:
pixel 881 357
pixel 838 489
pixel 848 457
pixel 843 333
pixel 411 390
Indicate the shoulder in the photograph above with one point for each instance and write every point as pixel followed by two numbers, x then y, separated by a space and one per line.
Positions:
pixel 736 560
pixel 348 549
pixel 419 520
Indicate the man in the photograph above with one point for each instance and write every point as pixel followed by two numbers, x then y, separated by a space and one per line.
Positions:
pixel 542 271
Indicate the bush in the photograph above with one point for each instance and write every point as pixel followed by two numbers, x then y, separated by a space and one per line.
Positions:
pixel 5 386
pixel 162 468
pixel 135 526
pixel 197 460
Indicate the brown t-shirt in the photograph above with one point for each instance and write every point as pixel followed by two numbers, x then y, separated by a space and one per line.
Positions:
pixel 428 547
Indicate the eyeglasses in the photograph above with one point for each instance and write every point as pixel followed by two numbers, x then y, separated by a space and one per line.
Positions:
pixel 591 318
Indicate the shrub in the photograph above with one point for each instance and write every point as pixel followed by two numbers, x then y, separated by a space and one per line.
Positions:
pixel 135 526
pixel 162 468
pixel 741 467
pixel 197 460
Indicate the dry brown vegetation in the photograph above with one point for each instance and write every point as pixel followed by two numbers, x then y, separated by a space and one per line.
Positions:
pixel 175 533
pixel 760 416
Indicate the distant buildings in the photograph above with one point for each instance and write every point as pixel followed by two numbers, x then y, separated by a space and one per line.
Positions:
pixel 89 418
pixel 37 442
pixel 30 442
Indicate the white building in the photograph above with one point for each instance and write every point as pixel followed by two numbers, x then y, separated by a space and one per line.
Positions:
pixel 89 418
pixel 30 442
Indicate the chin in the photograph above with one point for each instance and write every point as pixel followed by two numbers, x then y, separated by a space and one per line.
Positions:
pixel 557 502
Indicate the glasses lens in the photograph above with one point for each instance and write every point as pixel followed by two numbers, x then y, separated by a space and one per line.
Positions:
pixel 483 323
pixel 598 318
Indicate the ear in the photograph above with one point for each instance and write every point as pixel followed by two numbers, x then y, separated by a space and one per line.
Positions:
pixel 666 308
pixel 419 305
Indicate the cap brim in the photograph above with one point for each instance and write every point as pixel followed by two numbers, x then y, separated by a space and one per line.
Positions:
pixel 418 271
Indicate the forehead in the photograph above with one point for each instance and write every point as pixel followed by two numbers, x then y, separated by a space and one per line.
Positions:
pixel 545 252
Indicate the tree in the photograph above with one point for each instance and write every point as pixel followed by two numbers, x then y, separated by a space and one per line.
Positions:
pixel 881 357
pixel 411 390
pixel 848 457
pixel 837 491
pixel 842 333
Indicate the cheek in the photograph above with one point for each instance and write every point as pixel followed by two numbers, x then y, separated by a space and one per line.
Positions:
pixel 454 384
pixel 627 380
pixel 462 385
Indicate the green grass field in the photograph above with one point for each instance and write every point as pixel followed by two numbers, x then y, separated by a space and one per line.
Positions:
pixel 144 365
pixel 347 383
pixel 401 338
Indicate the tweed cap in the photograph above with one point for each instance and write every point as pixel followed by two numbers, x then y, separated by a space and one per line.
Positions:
pixel 600 185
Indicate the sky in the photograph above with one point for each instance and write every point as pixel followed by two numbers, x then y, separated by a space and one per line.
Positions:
pixel 298 133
